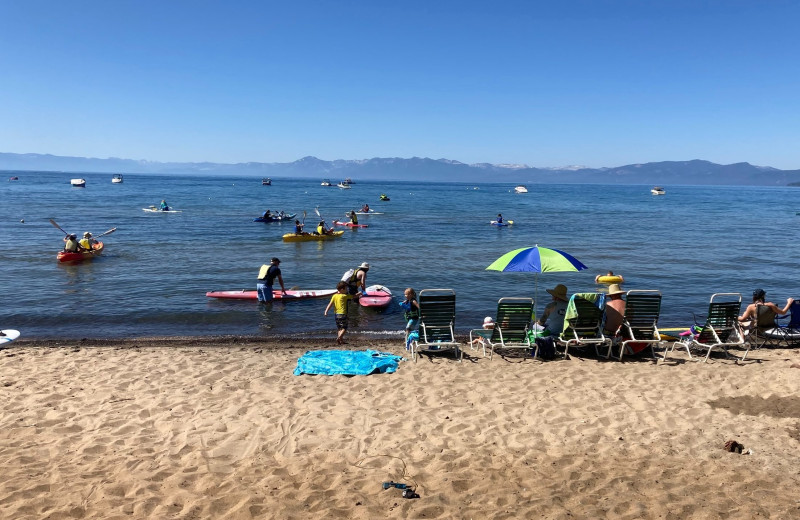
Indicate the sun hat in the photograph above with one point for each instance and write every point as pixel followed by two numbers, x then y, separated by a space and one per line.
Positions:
pixel 488 320
pixel 559 291
pixel 275 260
pixel 87 235
pixel 614 289
pixel 364 265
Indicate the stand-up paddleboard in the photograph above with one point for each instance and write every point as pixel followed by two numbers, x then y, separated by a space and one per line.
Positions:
pixel 364 213
pixel 8 335
pixel 501 224
pixel 377 296
pixel 276 294
pixel 153 209
pixel 349 224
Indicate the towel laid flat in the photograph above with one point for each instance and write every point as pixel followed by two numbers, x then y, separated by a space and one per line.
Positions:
pixel 347 362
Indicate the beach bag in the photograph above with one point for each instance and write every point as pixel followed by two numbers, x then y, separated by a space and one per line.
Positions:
pixel 547 347
pixel 348 275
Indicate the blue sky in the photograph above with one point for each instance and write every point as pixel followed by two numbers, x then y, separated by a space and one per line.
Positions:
pixel 546 83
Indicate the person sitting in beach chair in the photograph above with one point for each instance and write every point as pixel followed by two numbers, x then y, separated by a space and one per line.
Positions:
pixel 759 321
pixel 721 328
pixel 437 315
pixel 583 323
pixel 639 327
pixel 511 327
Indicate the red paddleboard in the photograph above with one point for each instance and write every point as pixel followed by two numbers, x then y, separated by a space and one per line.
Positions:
pixel 377 296
pixel 349 224
pixel 277 294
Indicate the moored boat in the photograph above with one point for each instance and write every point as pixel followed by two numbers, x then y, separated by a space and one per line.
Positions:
pixel 294 237
pixel 78 183
pixel 325 182
pixel 13 178
pixel 117 178
pixel 64 256
pixel 658 190
pixel 520 189
pixel 266 182
pixel 343 185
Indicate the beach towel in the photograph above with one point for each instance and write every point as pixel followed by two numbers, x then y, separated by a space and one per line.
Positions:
pixel 347 362
pixel 597 298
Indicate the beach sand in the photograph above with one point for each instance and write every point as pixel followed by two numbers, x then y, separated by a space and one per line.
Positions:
pixel 200 428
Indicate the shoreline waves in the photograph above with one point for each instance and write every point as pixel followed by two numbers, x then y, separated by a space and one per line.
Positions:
pixel 218 427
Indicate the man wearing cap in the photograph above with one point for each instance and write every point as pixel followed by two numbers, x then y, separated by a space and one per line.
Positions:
pixel 71 243
pixel 553 316
pixel 615 309
pixel 266 278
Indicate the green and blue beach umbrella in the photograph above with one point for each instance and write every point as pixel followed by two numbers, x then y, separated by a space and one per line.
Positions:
pixel 536 260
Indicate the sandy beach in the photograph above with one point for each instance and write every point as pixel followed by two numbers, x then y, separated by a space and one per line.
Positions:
pixel 199 428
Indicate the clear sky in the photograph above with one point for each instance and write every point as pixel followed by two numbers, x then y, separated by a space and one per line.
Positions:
pixel 545 83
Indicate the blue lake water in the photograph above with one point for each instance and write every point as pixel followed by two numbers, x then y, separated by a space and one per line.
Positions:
pixel 156 268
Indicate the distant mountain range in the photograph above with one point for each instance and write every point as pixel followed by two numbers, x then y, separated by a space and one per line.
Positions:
pixel 695 172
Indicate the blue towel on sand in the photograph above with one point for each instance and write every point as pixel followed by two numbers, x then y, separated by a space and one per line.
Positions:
pixel 348 362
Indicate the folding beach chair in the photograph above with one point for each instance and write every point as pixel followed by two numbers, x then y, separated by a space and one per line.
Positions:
pixel 765 332
pixel 437 314
pixel 511 327
pixel 721 328
pixel 639 324
pixel 583 323
pixel 788 325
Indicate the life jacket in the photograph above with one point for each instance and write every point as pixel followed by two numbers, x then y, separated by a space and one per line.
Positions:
pixel 71 246
pixel 267 274
pixel 351 276
pixel 410 313
pixel 86 243
pixel 353 218
pixel 320 230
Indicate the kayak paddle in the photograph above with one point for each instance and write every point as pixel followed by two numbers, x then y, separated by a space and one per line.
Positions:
pixel 106 233
pixel 57 226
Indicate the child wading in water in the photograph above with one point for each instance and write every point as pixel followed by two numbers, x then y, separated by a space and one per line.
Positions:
pixel 339 302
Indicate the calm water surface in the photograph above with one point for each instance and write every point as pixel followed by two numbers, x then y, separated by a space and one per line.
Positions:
pixel 155 271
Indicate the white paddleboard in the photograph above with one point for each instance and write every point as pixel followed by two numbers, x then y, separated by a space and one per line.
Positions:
pixel 156 210
pixel 8 336
pixel 370 213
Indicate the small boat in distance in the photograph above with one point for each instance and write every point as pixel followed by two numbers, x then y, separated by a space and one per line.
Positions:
pixel 348 181
pixel 78 183
pixel 117 178
pixel 325 182
pixel 520 189
pixel 266 182
pixel 13 178
pixel 658 190
pixel 344 186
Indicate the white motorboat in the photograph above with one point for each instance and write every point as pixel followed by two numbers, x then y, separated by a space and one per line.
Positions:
pixel 520 189
pixel 344 186
pixel 658 190
pixel 325 182
pixel 117 178
pixel 78 183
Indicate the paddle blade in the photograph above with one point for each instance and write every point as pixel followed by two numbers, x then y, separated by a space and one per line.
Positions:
pixel 57 226
pixel 106 233
pixel 316 210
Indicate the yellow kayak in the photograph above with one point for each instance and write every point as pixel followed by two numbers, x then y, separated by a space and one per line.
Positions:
pixel 293 237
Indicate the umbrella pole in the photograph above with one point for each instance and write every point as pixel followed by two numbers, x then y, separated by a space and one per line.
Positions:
pixel 535 294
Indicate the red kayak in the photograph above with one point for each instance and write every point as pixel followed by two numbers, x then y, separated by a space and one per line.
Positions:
pixel 277 294
pixel 349 224
pixel 97 248
pixel 377 296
